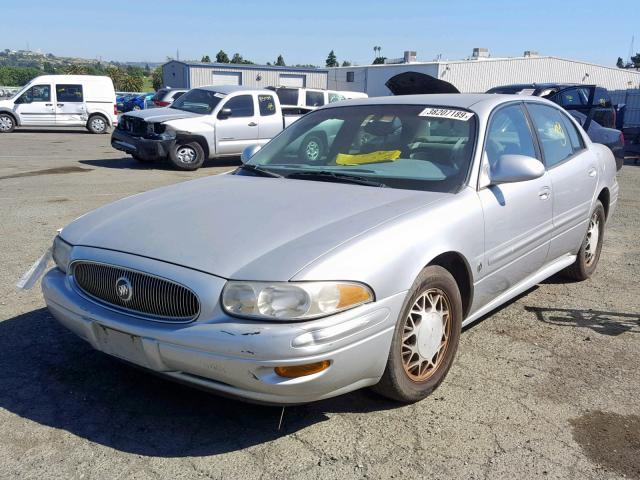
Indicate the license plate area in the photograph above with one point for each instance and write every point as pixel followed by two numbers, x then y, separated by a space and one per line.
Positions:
pixel 122 345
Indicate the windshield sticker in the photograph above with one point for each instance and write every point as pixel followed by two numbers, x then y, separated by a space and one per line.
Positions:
pixel 527 91
pixel 446 113
pixel 363 158
pixel 219 95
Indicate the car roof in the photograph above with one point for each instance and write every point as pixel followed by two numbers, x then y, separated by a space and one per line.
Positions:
pixel 227 89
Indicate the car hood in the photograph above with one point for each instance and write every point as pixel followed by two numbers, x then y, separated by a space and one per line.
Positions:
pixel 242 227
pixel 157 115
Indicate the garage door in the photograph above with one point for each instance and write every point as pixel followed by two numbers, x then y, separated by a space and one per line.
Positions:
pixel 290 80
pixel 226 78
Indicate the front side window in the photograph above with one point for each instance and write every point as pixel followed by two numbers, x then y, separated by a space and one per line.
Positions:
pixel 315 99
pixel 267 105
pixel 69 93
pixel 402 146
pixel 552 132
pixel 509 133
pixel 240 106
pixel 37 93
pixel 198 100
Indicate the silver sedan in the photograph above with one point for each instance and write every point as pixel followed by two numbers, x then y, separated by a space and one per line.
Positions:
pixel 297 277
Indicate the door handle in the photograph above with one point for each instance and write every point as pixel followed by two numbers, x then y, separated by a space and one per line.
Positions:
pixel 545 193
pixel 60 104
pixel 592 172
pixel 48 104
pixel 253 124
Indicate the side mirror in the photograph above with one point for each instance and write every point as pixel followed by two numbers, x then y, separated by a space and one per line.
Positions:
pixel 249 152
pixel 515 168
pixel 224 113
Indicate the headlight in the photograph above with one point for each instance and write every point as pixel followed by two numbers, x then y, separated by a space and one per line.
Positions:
pixel 61 253
pixel 292 300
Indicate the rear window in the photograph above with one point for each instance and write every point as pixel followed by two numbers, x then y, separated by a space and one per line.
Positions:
pixel 287 96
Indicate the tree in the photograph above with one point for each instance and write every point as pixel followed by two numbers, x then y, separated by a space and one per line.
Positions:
pixel 379 60
pixel 205 59
pixel 620 63
pixel 237 58
pixel 346 63
pixel 147 69
pixel 222 57
pixel 156 79
pixel 280 61
pixel 332 61
pixel 635 61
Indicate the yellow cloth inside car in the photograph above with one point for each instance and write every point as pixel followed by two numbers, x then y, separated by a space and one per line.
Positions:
pixel 373 157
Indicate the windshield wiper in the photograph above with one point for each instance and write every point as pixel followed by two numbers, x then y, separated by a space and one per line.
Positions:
pixel 258 170
pixel 327 176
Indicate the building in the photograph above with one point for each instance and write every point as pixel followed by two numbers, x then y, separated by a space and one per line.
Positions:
pixel 179 74
pixel 480 72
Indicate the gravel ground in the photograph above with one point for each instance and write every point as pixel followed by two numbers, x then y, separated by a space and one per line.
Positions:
pixel 546 387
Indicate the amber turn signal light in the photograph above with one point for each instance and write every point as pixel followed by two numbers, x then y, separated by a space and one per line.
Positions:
pixel 302 370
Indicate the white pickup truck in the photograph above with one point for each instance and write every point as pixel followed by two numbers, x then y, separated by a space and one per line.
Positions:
pixel 205 122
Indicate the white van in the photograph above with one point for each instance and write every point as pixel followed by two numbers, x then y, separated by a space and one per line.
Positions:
pixel 312 98
pixel 62 101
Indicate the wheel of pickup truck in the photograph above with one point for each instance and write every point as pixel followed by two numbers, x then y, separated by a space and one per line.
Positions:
pixel 187 156
pixel 313 147
pixel 7 123
pixel 97 124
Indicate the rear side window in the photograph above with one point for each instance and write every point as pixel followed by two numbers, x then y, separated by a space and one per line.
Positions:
pixel 267 105
pixel 177 95
pixel 69 93
pixel 553 133
pixel 509 133
pixel 602 97
pixel 315 99
pixel 241 106
pixel 287 96
pixel 574 97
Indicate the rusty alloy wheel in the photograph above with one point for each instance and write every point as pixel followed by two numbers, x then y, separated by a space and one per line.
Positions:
pixel 426 333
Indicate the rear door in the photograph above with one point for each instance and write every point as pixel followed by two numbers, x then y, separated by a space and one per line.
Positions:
pixel 35 106
pixel 271 119
pixel 235 133
pixel 70 107
pixel 574 176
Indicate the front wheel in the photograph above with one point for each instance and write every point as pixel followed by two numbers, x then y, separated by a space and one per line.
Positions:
pixel 426 338
pixel 313 148
pixel 589 253
pixel 187 156
pixel 7 123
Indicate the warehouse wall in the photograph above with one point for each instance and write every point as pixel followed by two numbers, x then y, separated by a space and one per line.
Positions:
pixel 175 75
pixel 256 77
pixel 371 79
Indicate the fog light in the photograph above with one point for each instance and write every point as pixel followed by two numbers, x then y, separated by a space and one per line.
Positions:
pixel 302 370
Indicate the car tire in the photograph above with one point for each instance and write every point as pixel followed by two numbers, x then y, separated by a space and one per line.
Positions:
pixel 136 108
pixel 7 123
pixel 589 253
pixel 313 148
pixel 97 124
pixel 417 361
pixel 187 156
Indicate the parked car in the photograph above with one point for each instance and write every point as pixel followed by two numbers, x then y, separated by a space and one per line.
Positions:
pixel 166 96
pixel 312 98
pixel 612 138
pixel 62 100
pixel 205 122
pixel 137 102
pixel 290 281
pixel 572 97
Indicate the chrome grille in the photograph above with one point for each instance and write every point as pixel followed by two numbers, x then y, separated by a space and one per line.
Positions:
pixel 151 297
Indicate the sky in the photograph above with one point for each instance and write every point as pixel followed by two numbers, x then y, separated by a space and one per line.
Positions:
pixel 305 32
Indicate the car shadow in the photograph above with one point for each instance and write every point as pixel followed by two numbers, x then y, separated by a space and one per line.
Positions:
pixel 56 130
pixel 129 163
pixel 50 376
pixel 600 321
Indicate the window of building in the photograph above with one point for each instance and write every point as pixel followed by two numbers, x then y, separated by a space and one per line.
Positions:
pixel 351 76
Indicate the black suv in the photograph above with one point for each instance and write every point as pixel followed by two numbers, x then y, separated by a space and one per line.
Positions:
pixel 570 97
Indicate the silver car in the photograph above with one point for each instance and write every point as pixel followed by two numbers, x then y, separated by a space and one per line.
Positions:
pixel 290 280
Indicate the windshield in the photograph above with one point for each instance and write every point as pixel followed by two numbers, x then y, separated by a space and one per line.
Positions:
pixel 402 146
pixel 198 101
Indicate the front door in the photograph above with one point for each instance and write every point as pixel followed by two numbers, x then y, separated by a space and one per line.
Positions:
pixel 574 176
pixel 518 216
pixel 70 107
pixel 35 106
pixel 239 130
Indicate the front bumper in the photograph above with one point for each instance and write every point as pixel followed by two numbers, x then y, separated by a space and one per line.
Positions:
pixel 237 357
pixel 146 148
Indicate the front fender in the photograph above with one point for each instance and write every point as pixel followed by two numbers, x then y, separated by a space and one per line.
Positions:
pixel 188 129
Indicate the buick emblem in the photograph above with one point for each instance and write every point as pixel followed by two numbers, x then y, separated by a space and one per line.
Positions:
pixel 124 290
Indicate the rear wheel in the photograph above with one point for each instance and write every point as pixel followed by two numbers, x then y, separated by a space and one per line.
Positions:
pixel 97 124
pixel 313 148
pixel 7 123
pixel 187 156
pixel 589 254
pixel 426 338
